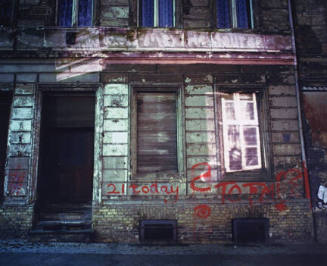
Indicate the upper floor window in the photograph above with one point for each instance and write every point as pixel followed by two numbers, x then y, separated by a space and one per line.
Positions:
pixel 157 13
pixel 234 14
pixel 75 13
pixel 6 12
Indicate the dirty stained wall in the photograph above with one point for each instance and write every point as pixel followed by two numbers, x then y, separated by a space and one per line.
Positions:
pixel 114 57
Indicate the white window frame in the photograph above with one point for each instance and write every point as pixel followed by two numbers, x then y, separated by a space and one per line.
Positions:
pixel 242 123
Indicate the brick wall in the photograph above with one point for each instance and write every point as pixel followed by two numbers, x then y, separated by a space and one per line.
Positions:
pixel 120 223
pixel 15 221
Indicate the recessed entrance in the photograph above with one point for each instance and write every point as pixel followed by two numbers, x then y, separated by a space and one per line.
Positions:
pixel 65 179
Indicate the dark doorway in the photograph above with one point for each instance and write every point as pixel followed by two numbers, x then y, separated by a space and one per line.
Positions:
pixel 65 180
pixel 66 148
pixel 5 103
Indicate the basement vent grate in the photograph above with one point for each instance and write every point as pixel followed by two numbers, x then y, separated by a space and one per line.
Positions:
pixel 247 230
pixel 158 230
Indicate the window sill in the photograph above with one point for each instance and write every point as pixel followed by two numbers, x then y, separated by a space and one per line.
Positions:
pixel 261 175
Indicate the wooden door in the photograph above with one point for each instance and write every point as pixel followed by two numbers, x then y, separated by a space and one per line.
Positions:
pixel 66 170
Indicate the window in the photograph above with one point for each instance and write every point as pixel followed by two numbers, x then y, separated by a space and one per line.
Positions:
pixel 240 133
pixel 6 12
pixel 234 14
pixel 155 134
pixel 157 13
pixel 75 13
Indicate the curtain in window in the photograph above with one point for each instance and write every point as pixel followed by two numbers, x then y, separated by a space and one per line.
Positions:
pixel 165 13
pixel 147 13
pixel 65 9
pixel 5 12
pixel 85 13
pixel 242 14
pixel 223 14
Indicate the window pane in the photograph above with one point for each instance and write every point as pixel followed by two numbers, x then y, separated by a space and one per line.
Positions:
pixel 165 13
pixel 223 14
pixel 234 136
pixel 247 109
pixel 234 153
pixel 250 136
pixel 230 111
pixel 85 13
pixel 65 9
pixel 242 14
pixel 5 12
pixel 251 156
pixel 147 10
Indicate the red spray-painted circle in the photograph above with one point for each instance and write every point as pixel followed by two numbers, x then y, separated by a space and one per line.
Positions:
pixel 202 211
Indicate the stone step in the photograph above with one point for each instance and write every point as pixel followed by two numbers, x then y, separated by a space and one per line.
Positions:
pixel 62 235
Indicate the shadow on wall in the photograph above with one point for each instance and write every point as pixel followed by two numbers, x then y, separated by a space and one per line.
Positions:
pixel 307 40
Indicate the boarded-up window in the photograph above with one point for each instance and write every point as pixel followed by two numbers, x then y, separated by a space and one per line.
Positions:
pixel 234 14
pixel 241 134
pixel 157 13
pixel 75 13
pixel 5 103
pixel 156 140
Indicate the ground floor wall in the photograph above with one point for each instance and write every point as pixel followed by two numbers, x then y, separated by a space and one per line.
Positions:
pixel 201 226
pixel 15 221
pixel 201 195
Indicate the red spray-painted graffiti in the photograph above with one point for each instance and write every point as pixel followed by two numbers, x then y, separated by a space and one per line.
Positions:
pixel 16 182
pixel 202 211
pixel 151 189
pixel 287 182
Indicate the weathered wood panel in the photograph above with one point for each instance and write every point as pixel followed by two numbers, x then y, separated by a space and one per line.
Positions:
pixel 156 132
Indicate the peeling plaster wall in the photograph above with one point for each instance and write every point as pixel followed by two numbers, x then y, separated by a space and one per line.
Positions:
pixel 198 83
pixel 114 57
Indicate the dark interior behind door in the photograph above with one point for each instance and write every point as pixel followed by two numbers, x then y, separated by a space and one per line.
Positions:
pixel 66 158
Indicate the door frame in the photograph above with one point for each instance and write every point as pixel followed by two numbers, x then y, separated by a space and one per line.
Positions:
pixel 97 89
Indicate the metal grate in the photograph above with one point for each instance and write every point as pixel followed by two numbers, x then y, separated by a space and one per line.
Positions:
pixel 158 230
pixel 247 230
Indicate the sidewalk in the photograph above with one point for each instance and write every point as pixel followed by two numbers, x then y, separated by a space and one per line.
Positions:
pixel 19 252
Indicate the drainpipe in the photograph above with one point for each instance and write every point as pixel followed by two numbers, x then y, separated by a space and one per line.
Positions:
pixel 296 75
